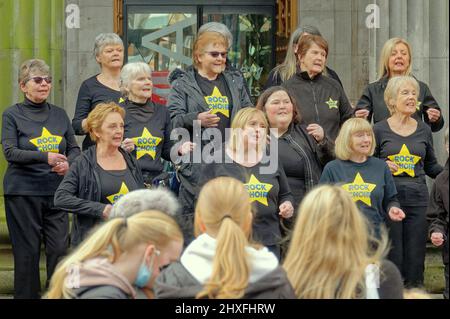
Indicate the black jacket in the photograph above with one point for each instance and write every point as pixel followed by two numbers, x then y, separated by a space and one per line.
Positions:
pixel 372 99
pixel 320 100
pixel 79 192
pixel 177 283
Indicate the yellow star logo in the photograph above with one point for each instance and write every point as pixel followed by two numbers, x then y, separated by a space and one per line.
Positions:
pixel 121 100
pixel 115 197
pixel 47 142
pixel 146 144
pixel 332 104
pixel 418 105
pixel 405 161
pixel 258 191
pixel 218 103
pixel 360 190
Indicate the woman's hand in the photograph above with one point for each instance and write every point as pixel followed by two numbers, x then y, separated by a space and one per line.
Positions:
pixel 316 131
pixel 286 210
pixel 128 145
pixel 107 211
pixel 392 166
pixel 208 119
pixel 54 158
pixel 61 168
pixel 362 113
pixel 185 148
pixel 396 214
pixel 433 115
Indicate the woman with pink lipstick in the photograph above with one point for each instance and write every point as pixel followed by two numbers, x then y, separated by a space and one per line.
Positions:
pixel 406 144
pixel 101 175
pixel 396 60
pixel 38 143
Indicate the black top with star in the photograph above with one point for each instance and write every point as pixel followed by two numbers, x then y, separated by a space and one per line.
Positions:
pixel 91 93
pixel 149 126
pixel 115 184
pixel 218 97
pixel 414 154
pixel 369 183
pixel 29 132
pixel 267 192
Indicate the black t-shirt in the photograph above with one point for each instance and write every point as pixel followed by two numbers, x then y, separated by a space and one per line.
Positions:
pixel 370 184
pixel 218 98
pixel 149 126
pixel 29 132
pixel 114 184
pixel 267 192
pixel 414 154
pixel 91 93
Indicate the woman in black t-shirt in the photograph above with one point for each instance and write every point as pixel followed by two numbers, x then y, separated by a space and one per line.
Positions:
pixel 102 87
pixel 38 142
pixel 101 175
pixel 406 145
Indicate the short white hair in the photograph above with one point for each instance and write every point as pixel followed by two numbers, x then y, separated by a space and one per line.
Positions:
pixel 146 199
pixel 130 72
pixel 104 39
pixel 219 28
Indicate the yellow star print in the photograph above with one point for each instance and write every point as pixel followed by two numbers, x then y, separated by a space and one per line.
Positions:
pixel 218 103
pixel 418 105
pixel 360 190
pixel 47 142
pixel 405 161
pixel 258 191
pixel 115 197
pixel 121 100
pixel 146 144
pixel 332 104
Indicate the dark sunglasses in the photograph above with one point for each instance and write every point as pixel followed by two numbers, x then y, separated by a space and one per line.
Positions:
pixel 39 79
pixel 215 54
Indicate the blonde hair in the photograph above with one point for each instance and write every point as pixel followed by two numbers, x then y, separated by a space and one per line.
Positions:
pixel 239 122
pixel 97 116
pixel 331 247
pixel 32 66
pixel 228 215
pixel 393 88
pixel 386 51
pixel 207 37
pixel 415 293
pixel 343 143
pixel 112 239
pixel 130 72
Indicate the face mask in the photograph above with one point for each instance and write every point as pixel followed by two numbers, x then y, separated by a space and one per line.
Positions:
pixel 145 273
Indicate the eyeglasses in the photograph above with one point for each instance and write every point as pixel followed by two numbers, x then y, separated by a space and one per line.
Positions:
pixel 39 79
pixel 215 54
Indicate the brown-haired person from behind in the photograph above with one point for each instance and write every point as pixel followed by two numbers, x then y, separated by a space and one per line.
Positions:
pixel 321 99
pixel 38 143
pixel 333 256
pixel 396 60
pixel 101 175
pixel 221 263
pixel 102 87
pixel 406 144
pixel 122 254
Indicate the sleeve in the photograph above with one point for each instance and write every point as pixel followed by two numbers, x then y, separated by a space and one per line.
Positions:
pixel 325 151
pixel 345 108
pixel 168 143
pixel 376 133
pixel 365 102
pixel 72 148
pixel 10 144
pixel 178 108
pixel 430 102
pixel 66 196
pixel 436 213
pixel 285 191
pixel 390 191
pixel 431 166
pixel 82 108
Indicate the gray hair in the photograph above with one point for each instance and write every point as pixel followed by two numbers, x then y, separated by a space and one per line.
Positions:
pixel 146 199
pixel 219 28
pixel 32 66
pixel 130 72
pixel 104 39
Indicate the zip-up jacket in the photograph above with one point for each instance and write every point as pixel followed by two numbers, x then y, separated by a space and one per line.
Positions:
pixel 79 192
pixel 320 100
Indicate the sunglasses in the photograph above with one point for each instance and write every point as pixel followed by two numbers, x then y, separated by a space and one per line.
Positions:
pixel 39 79
pixel 215 54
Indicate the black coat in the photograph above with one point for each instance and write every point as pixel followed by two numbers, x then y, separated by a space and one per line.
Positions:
pixel 79 192
pixel 372 99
